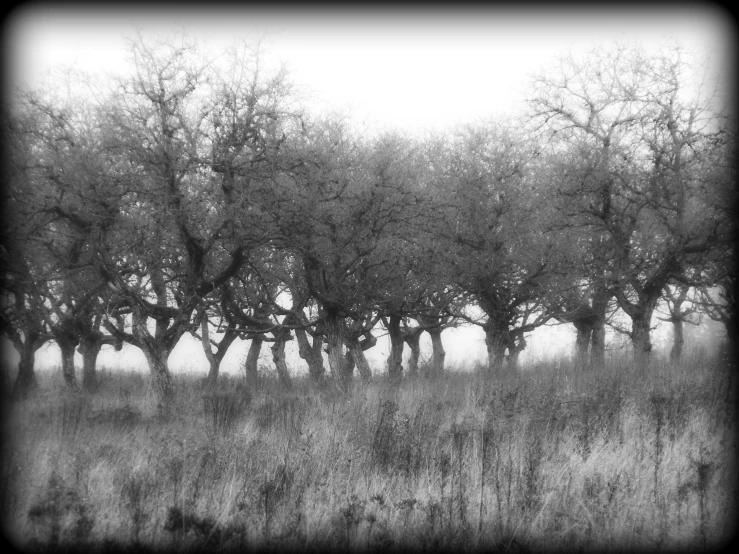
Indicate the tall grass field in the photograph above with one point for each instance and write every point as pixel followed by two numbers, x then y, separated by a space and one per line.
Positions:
pixel 547 459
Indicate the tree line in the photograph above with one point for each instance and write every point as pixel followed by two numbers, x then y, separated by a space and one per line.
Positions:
pixel 197 196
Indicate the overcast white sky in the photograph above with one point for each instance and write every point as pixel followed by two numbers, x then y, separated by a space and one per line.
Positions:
pixel 412 70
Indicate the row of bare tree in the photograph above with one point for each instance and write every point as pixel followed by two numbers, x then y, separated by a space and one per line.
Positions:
pixel 197 197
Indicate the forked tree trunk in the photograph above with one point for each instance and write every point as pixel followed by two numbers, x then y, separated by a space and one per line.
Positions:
pixel 157 355
pixel 278 356
pixel 358 359
pixel 90 346
pixel 251 365
pixel 215 358
pixel 413 340
pixel 395 359
pixel 438 354
pixel 311 353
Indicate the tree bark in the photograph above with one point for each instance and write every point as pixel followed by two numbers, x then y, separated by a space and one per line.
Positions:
pixel 157 355
pixel 67 342
pixel 311 353
pixel 213 364
pixel 335 346
pixel 413 340
pixel 395 359
pixel 514 350
pixel 641 322
pixel 25 381
pixel 678 340
pixel 251 365
pixel 496 347
pixel 278 356
pixel 641 342
pixel 582 343
pixel 157 358
pixel 598 332
pixel 358 359
pixel 90 346
pixel 438 354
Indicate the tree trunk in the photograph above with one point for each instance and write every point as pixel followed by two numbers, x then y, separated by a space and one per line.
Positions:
pixel 678 340
pixel 395 359
pixel 347 368
pixel 437 352
pixel 641 334
pixel 335 346
pixel 157 355
pixel 513 352
pixel 311 353
pixel 600 300
pixel 157 358
pixel 67 346
pixel 213 364
pixel 90 346
pixel 25 381
pixel 582 343
pixel 413 339
pixel 358 359
pixel 641 343
pixel 251 365
pixel 496 346
pixel 278 356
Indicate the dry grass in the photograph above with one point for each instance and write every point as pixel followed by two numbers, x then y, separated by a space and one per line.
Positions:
pixel 544 460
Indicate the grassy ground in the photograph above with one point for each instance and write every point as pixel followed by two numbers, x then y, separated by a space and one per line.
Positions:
pixel 548 459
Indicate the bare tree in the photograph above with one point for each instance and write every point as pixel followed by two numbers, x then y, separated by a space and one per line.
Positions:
pixel 194 162
pixel 633 138
pixel 493 236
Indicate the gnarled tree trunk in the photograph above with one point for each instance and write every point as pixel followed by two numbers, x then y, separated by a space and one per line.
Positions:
pixel 311 353
pixel 355 356
pixel 215 358
pixel 157 356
